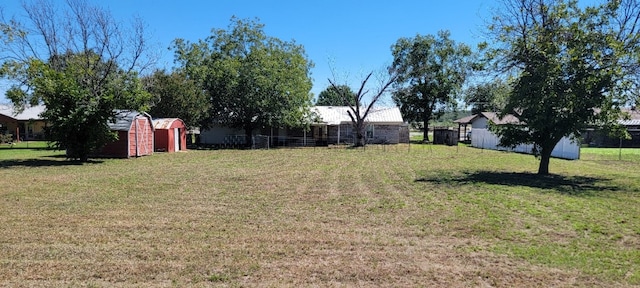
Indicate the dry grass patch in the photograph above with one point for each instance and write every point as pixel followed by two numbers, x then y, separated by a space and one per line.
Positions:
pixel 428 216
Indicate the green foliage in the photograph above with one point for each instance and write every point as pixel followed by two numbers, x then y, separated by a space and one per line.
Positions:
pixel 176 96
pixel 252 80
pixel 6 138
pixel 569 68
pixel 487 97
pixel 332 96
pixel 431 71
pixel 77 61
pixel 80 93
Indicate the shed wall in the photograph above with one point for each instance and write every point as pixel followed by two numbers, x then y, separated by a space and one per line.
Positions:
pixel 483 138
pixel 118 148
pixel 141 137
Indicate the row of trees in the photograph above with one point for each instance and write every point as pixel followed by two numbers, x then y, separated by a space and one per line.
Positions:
pixel 554 64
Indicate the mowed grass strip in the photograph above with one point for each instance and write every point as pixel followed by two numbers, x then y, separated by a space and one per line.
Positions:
pixel 382 216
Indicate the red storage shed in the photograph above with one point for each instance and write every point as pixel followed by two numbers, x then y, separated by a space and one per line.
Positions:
pixel 135 135
pixel 170 134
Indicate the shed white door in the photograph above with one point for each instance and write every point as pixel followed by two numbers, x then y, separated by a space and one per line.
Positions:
pixel 176 139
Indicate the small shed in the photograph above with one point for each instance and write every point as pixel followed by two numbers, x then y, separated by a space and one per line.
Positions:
pixel 170 134
pixel 445 135
pixel 135 135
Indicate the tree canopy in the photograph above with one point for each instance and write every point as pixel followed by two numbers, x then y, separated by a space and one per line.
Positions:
pixel 252 80
pixel 570 66
pixel 431 70
pixel 174 95
pixel 80 63
pixel 333 96
pixel 487 96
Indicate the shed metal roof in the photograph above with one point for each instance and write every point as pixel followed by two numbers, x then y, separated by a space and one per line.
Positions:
pixel 164 123
pixel 492 116
pixel 124 119
pixel 336 115
pixel 28 113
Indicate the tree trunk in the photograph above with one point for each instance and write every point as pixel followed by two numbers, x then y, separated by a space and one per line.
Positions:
pixel 360 139
pixel 425 118
pixel 545 156
pixel 425 135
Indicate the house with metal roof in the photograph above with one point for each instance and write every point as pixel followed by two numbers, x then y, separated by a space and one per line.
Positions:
pixel 598 138
pixel 331 125
pixel 25 125
pixel 384 125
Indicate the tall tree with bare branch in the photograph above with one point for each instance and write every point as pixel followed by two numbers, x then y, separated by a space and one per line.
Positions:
pixel 358 111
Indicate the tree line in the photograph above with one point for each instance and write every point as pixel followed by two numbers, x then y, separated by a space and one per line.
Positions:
pixel 554 64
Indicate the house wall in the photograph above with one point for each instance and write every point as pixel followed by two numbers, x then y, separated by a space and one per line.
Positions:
pixel 34 130
pixel 388 134
pixel 9 125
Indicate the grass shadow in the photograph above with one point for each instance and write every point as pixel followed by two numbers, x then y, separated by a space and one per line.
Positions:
pixel 40 162
pixel 570 185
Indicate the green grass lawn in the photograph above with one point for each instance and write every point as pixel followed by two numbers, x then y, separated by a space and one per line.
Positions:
pixel 425 215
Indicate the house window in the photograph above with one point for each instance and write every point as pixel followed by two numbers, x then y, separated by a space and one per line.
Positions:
pixel 369 131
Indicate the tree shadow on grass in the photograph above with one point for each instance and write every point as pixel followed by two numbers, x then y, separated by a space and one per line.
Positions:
pixel 570 185
pixel 56 160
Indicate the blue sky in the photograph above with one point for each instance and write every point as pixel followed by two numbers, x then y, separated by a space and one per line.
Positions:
pixel 351 38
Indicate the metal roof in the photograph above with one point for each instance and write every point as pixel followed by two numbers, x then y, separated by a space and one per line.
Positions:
pixel 164 123
pixel 28 113
pixel 466 120
pixel 492 116
pixel 507 119
pixel 336 115
pixel 630 122
pixel 124 119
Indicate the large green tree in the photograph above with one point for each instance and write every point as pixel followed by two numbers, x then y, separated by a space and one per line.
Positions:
pixel 176 95
pixel 431 71
pixel 487 96
pixel 252 80
pixel 571 67
pixel 333 96
pixel 80 63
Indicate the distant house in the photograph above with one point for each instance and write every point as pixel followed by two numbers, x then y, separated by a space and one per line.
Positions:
pixel 384 125
pixel 481 137
pixel 170 135
pixel 333 125
pixel 597 138
pixel 27 125
pixel 135 135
